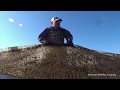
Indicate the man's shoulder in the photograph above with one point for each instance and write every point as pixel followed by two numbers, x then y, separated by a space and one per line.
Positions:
pixel 63 29
pixel 47 28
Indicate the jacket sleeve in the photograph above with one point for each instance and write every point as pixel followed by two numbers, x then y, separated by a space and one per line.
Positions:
pixel 69 37
pixel 43 36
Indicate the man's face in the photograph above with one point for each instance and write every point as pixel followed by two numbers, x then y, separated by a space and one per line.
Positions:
pixel 56 23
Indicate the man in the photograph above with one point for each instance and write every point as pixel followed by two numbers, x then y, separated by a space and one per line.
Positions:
pixel 55 35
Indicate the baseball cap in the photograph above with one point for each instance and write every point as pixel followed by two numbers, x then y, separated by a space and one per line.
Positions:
pixel 56 19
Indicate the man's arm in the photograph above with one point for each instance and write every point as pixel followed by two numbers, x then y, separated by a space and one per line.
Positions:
pixel 69 38
pixel 43 37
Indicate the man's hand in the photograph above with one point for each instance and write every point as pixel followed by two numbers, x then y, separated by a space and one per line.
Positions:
pixel 69 42
pixel 43 41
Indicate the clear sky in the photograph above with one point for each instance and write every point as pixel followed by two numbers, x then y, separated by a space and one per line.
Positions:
pixel 96 30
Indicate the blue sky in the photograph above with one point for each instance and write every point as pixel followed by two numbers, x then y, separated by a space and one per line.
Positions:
pixel 96 30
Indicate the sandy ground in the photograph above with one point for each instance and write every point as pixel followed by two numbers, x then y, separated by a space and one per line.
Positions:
pixel 47 62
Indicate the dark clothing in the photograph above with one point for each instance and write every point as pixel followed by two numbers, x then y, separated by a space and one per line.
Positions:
pixel 54 35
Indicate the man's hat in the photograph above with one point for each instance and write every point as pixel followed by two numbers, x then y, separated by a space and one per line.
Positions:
pixel 56 19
